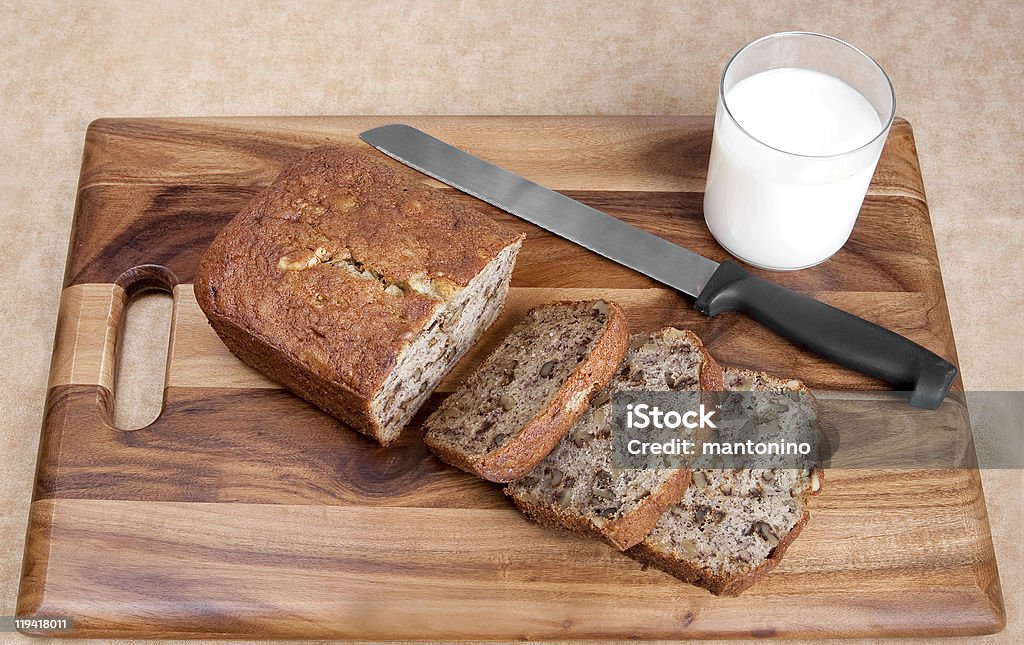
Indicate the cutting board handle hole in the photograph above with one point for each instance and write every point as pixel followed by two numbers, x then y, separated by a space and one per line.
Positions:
pixel 142 348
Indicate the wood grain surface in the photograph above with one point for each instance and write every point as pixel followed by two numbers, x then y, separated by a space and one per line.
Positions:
pixel 244 512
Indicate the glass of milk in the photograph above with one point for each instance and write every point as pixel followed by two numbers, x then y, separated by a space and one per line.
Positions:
pixel 801 121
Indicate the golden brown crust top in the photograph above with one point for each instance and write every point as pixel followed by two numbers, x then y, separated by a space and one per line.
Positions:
pixel 341 260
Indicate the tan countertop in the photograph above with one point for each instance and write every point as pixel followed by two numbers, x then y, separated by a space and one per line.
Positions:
pixel 955 67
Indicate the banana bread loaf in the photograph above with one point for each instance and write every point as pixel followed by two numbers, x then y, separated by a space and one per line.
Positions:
pixel 355 287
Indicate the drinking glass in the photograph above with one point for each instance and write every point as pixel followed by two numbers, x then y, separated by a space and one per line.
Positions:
pixel 795 146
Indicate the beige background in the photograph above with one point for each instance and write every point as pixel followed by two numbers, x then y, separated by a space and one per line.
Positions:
pixel 956 68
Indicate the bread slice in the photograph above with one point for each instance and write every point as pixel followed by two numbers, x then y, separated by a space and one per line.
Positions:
pixel 355 287
pixel 733 526
pixel 576 487
pixel 525 396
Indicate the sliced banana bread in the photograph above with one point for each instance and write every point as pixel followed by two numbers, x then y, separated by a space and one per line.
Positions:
pixel 733 526
pixel 525 396
pixel 576 487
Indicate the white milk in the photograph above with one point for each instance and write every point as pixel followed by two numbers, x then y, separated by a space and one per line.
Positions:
pixel 780 200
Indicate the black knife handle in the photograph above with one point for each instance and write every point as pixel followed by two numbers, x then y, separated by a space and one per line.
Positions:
pixel 830 332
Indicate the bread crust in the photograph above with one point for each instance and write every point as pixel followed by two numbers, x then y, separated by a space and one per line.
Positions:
pixel 541 434
pixel 281 282
pixel 711 375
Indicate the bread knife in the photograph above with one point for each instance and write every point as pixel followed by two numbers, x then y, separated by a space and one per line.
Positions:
pixel 718 287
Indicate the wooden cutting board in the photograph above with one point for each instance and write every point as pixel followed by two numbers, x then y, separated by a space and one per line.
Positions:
pixel 244 512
